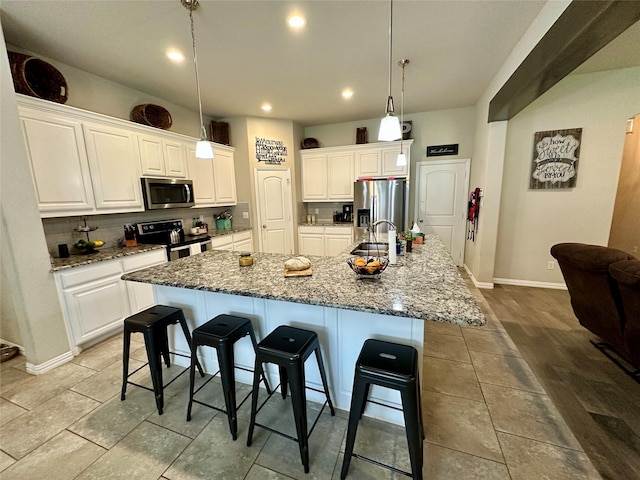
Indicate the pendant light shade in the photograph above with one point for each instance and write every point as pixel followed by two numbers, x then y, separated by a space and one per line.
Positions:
pixel 203 147
pixel 390 125
pixel 401 161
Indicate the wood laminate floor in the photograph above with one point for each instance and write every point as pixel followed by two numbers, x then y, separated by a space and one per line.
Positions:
pixel 599 403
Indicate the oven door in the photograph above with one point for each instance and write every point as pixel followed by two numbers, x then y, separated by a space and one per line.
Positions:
pixel 179 252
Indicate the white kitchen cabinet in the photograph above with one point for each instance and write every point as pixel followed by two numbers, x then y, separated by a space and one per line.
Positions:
pixel 141 294
pixel 222 242
pixel 58 162
pixel 162 157
pixel 379 160
pixel 390 166
pixel 327 176
pixel 214 180
pixel 368 163
pixel 115 168
pixel 243 241
pixel 95 301
pixel 314 177
pixel 323 240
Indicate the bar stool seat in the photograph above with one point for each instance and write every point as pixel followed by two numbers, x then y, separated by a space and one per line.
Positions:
pixel 221 333
pixel 394 366
pixel 289 347
pixel 153 323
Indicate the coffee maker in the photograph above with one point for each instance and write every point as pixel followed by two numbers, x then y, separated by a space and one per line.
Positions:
pixel 347 213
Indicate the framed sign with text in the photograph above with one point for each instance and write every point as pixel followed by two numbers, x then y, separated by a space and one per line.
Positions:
pixel 555 159
pixel 442 150
pixel 271 152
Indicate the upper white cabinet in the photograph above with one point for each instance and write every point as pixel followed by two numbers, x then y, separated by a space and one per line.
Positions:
pixel 214 180
pixel 161 157
pixel 327 176
pixel 58 161
pixel 114 164
pixel 328 173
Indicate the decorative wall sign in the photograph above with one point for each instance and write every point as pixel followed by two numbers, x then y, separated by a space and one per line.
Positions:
pixel 555 159
pixel 441 150
pixel 271 152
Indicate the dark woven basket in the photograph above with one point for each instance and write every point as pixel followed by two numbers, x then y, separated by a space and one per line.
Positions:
pixel 152 115
pixel 37 78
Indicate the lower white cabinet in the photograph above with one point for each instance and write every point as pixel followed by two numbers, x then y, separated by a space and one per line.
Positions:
pixel 238 241
pixel 326 241
pixel 95 301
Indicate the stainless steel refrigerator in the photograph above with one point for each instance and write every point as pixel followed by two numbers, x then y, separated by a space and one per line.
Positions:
pixel 382 199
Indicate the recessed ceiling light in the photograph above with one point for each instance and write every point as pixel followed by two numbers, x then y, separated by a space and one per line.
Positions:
pixel 347 93
pixel 296 21
pixel 175 55
pixel 266 107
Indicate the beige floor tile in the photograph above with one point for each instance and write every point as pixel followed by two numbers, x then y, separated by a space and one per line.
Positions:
pixel 40 388
pixel 64 456
pixel 529 415
pixel 442 328
pixel 460 424
pixel 282 455
pixel 260 473
pixel 505 371
pixel 11 378
pixel 451 378
pixel 29 431
pixel 380 441
pixel 100 356
pixel 212 454
pixel 106 383
pixel 445 464
pixel 529 459
pixel 143 454
pixel 5 461
pixel 9 411
pixel 449 347
pixel 490 341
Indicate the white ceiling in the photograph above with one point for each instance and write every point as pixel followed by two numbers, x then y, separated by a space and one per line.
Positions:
pixel 247 55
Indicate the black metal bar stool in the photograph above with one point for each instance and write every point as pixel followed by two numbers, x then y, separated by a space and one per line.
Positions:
pixel 221 333
pixel 289 348
pixel 153 323
pixel 394 366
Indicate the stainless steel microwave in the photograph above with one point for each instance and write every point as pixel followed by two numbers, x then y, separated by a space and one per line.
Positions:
pixel 167 193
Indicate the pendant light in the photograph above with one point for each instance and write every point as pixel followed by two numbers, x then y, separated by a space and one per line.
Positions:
pixel 402 158
pixel 203 147
pixel 389 125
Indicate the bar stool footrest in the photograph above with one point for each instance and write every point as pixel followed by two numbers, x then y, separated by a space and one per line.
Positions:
pixel 384 465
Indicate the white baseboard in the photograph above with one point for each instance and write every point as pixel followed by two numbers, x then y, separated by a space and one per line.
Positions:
pixel 50 364
pixel 530 283
pixel 488 285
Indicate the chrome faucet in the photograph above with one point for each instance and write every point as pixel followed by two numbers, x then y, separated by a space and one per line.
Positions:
pixel 375 224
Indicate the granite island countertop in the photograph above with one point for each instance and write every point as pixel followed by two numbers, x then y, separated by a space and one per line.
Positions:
pixel 424 284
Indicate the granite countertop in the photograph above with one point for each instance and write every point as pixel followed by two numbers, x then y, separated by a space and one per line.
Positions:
pixel 213 232
pixel 424 284
pixel 102 254
pixel 326 224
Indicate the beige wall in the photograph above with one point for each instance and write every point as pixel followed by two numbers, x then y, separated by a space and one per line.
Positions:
pixel 625 225
pixel 429 128
pixel 32 316
pixel 531 221
pixel 96 94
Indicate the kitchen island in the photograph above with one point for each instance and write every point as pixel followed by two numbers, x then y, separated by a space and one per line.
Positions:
pixel 343 309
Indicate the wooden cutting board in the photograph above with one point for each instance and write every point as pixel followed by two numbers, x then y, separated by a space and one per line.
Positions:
pixel 298 273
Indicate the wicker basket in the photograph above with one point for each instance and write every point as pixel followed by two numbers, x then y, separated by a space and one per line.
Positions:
pixel 152 115
pixel 37 78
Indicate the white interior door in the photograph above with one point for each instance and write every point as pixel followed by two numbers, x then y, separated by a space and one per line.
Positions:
pixel 273 189
pixel 441 201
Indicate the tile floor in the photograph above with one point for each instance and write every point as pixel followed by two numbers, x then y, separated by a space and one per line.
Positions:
pixel 486 417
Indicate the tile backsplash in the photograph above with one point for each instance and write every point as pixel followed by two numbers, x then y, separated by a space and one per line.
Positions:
pixel 60 230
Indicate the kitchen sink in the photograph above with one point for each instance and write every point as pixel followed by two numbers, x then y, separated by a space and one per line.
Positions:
pixel 371 249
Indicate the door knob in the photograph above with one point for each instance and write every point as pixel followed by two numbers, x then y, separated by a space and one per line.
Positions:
pixel 420 220
pixel 264 226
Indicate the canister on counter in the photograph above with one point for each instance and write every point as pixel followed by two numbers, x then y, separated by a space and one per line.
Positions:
pixel 245 259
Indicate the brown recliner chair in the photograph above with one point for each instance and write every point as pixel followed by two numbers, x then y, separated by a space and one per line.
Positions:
pixel 594 294
pixel 627 276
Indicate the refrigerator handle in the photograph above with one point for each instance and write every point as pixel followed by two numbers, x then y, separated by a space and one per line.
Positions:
pixel 374 216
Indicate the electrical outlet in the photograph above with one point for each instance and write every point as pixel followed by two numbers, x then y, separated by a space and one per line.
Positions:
pixel 634 249
pixel 245 215
pixel 551 265
pixel 317 210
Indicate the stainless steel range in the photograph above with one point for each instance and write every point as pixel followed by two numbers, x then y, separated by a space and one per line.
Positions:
pixel 171 234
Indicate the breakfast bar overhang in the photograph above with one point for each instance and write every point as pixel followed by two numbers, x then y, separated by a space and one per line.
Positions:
pixel 344 310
